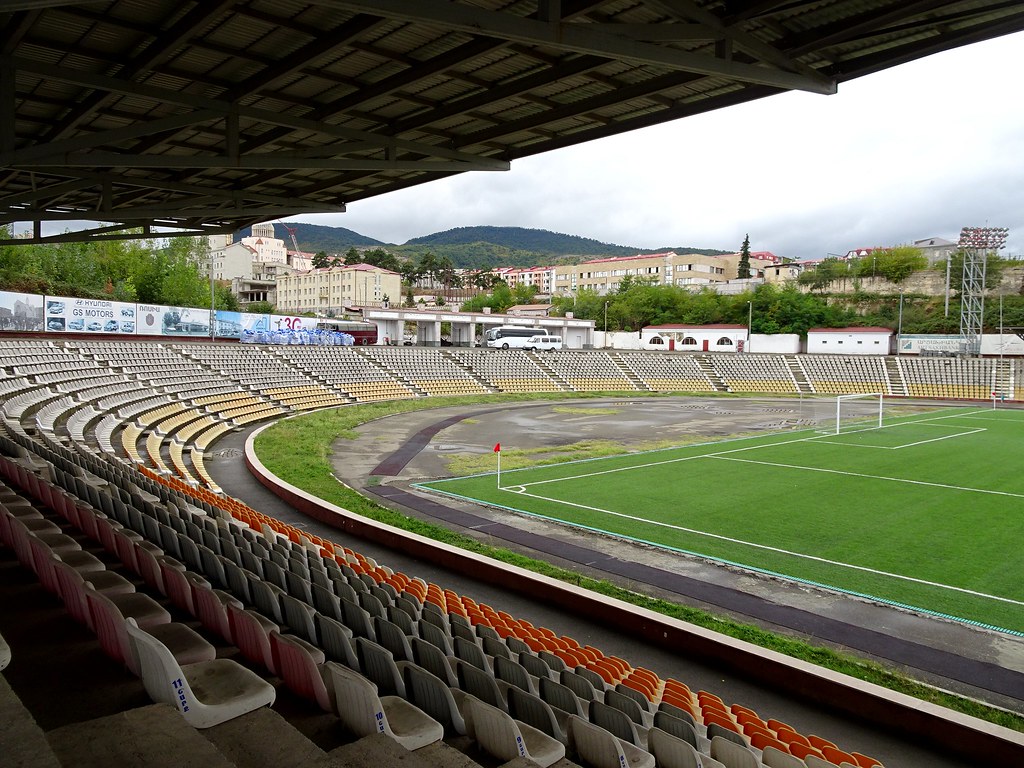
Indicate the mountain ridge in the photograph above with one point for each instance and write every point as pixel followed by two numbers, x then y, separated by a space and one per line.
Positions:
pixel 474 246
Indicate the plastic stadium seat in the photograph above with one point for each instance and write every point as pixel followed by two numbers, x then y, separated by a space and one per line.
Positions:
pixel 212 609
pixel 365 713
pixel 475 682
pixel 560 697
pixel 505 739
pixel 598 748
pixel 337 641
pixel 251 634
pixel 377 664
pixel 618 723
pixel 207 693
pixel 678 727
pixel 534 711
pixel 300 665
pixel 864 761
pixel 730 734
pixel 834 755
pixel 773 757
pixel 759 740
pixel 184 644
pixel 672 752
pixel 731 754
pixel 434 696
pixel 5 654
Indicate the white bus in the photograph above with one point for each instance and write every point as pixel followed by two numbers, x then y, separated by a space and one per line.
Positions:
pixel 511 337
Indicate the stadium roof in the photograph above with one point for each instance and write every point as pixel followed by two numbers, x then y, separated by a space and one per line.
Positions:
pixel 213 115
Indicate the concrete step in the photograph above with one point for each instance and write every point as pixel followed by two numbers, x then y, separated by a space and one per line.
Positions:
pixel 263 738
pixel 380 751
pixel 22 742
pixel 155 736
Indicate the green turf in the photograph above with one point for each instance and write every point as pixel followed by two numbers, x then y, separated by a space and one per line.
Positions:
pixel 927 512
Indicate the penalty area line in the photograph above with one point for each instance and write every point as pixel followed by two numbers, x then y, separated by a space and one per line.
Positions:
pixel 765 547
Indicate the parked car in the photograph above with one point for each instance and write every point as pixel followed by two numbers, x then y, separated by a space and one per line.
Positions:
pixel 544 343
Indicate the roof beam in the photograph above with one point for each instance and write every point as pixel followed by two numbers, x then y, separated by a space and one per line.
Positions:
pixel 596 39
pixel 207 110
pixel 277 161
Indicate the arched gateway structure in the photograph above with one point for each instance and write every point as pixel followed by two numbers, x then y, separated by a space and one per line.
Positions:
pixel 209 116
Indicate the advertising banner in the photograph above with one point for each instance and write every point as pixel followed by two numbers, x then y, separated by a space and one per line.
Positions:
pixel 160 320
pixel 292 323
pixel 70 315
pixel 21 311
pixel 231 325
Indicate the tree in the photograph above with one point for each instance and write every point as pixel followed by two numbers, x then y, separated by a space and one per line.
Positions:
pixel 993 271
pixel 224 298
pixel 378 257
pixel 897 264
pixel 445 273
pixel 485 279
pixel 321 260
pixel 827 270
pixel 260 308
pixel 744 266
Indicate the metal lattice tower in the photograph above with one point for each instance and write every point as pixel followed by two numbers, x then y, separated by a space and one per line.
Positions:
pixel 976 243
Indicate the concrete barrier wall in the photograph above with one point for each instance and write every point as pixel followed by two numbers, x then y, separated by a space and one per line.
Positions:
pixel 889 710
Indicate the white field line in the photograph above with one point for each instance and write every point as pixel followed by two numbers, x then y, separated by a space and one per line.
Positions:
pixel 645 465
pixel 714 454
pixel 873 477
pixel 778 550
pixel 944 437
pixel 906 445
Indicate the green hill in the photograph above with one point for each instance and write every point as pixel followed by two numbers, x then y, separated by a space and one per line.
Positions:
pixel 473 247
pixel 313 238
pixel 522 239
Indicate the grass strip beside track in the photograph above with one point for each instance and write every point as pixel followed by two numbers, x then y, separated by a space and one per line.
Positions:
pixel 298 450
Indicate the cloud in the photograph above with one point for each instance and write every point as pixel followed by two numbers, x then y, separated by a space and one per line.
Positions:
pixel 917 151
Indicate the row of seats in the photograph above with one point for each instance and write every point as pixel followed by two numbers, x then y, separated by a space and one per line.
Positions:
pixel 383 617
pixel 579 672
pixel 335 368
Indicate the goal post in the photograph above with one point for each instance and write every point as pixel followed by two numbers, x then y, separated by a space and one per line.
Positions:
pixel 851 418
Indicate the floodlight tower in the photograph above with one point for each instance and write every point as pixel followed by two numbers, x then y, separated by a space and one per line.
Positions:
pixel 976 243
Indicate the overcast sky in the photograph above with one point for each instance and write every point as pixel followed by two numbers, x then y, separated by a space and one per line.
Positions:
pixel 917 151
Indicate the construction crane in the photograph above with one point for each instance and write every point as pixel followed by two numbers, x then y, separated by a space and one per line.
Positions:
pixel 291 234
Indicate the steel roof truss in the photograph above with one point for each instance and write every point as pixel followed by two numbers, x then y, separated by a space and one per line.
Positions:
pixel 596 39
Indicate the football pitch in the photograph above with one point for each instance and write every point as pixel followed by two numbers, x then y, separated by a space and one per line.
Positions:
pixel 925 512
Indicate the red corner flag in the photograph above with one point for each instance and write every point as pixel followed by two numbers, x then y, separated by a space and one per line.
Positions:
pixel 497 447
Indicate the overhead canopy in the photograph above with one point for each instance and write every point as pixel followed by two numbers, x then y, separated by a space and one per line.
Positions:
pixel 214 115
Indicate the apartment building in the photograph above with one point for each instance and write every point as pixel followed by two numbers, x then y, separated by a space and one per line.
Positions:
pixel 333 289
pixel 605 275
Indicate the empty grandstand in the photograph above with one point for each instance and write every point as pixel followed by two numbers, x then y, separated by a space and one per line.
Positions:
pixel 107 493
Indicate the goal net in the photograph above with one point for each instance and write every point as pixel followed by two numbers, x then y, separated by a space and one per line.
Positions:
pixel 854 413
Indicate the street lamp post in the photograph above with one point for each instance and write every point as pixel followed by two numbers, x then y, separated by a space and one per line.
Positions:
pixel 606 323
pixel 899 325
pixel 213 303
pixel 750 324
